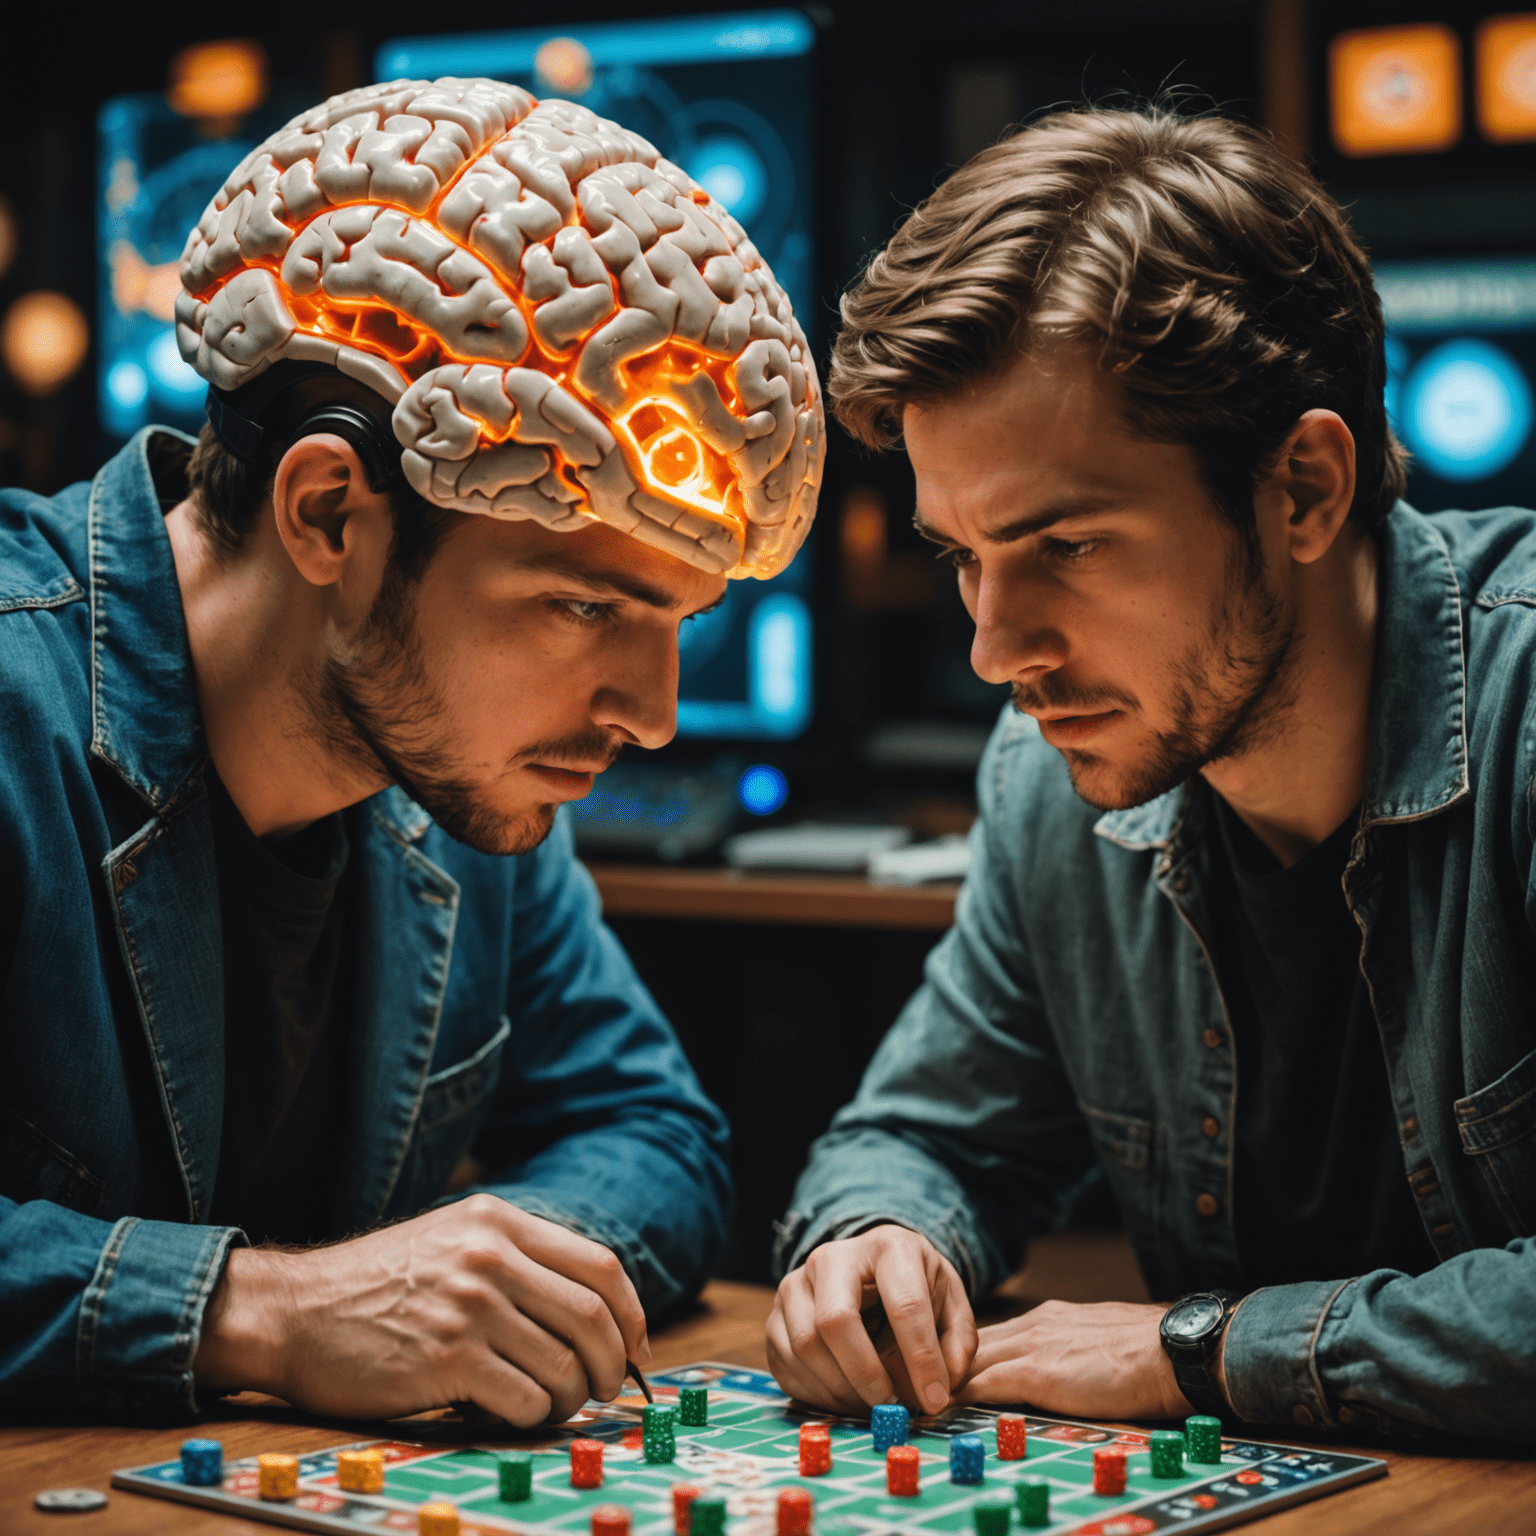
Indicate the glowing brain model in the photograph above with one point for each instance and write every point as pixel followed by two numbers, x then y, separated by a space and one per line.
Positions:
pixel 567 326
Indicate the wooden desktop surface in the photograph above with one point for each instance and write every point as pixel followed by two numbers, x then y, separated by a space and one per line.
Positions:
pixel 1424 1494
pixel 732 896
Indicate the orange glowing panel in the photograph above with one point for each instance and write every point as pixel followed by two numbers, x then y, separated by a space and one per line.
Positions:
pixel 1395 90
pixel 1506 78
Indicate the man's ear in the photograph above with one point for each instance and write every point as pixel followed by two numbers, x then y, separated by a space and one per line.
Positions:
pixel 324 509
pixel 1313 483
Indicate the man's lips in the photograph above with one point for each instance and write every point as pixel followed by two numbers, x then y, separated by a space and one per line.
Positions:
pixel 1064 730
pixel 570 783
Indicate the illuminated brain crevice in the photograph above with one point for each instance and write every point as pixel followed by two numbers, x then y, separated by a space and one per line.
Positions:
pixel 568 327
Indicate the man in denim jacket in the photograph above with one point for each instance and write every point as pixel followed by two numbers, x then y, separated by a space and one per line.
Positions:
pixel 292 938
pixel 1248 928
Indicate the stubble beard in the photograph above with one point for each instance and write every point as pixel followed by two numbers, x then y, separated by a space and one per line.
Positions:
pixel 1231 693
pixel 378 710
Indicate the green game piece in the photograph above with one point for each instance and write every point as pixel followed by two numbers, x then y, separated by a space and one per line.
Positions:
pixel 707 1516
pixel 1167 1453
pixel 1202 1439
pixel 658 1432
pixel 1034 1496
pixel 694 1402
pixel 992 1516
pixel 516 1473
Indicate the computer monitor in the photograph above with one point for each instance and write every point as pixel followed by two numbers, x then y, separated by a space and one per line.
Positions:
pixel 729 98
pixel 1461 387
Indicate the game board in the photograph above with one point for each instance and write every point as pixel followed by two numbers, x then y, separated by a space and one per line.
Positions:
pixel 748 1452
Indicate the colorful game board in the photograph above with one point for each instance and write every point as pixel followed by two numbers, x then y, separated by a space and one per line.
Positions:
pixel 748 1451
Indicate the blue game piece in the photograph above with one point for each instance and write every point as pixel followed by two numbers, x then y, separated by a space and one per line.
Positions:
pixel 966 1455
pixel 202 1463
pixel 891 1424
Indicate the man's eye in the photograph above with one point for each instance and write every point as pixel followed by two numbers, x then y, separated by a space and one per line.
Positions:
pixel 1071 549
pixel 587 613
pixel 957 557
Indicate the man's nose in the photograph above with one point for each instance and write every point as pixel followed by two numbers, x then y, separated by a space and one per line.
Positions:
pixel 1016 635
pixel 638 700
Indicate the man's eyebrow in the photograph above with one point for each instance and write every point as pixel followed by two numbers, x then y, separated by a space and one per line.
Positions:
pixel 624 583
pixel 1023 527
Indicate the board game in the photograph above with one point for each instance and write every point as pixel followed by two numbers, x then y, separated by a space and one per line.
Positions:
pixel 747 1453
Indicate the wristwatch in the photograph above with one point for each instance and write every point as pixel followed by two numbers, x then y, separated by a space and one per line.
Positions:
pixel 1191 1333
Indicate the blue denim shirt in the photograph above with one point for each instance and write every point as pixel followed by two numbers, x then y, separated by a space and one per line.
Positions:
pixel 494 1013
pixel 1070 1023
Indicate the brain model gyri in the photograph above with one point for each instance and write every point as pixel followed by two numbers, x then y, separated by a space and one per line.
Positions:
pixel 567 326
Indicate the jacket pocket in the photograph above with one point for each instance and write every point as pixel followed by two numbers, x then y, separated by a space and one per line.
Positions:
pixel 1498 1128
pixel 1128 1152
pixel 35 1167
pixel 457 1090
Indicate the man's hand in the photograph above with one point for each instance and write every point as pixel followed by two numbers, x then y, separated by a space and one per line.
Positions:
pixel 819 1350
pixel 1105 1360
pixel 476 1302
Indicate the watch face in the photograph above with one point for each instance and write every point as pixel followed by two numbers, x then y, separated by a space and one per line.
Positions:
pixel 1193 1318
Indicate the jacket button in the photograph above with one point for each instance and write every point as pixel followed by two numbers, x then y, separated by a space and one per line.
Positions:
pixel 1302 1414
pixel 1347 1415
pixel 1181 881
pixel 1211 1125
pixel 1213 1038
pixel 1207 1204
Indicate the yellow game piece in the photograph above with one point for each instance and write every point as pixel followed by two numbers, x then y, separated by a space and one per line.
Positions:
pixel 360 1471
pixel 278 1474
pixel 437 1520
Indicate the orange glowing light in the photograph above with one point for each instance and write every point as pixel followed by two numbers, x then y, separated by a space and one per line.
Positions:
pixel 43 339
pixel 1506 78
pixel 564 65
pixel 1396 90
pixel 212 80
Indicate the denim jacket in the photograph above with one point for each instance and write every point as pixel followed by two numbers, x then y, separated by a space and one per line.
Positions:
pixel 1070 1022
pixel 493 1012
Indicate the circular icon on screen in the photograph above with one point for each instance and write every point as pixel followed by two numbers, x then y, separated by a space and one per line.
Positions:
pixel 1466 410
pixel 732 172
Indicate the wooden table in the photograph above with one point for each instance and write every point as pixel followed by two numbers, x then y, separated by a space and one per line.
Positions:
pixel 1424 1495
pixel 734 896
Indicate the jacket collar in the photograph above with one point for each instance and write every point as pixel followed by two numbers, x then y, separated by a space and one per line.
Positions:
pixel 1417 759
pixel 144 715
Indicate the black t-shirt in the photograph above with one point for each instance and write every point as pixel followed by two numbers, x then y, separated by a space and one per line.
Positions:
pixel 1321 1192
pixel 283 907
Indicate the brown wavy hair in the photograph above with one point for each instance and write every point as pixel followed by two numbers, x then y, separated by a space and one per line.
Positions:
pixel 1214 275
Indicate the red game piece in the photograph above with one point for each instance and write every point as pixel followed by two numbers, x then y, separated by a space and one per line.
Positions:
pixel 1010 1437
pixel 683 1495
pixel 795 1505
pixel 586 1463
pixel 610 1520
pixel 1109 1469
pixel 901 1471
pixel 815 1450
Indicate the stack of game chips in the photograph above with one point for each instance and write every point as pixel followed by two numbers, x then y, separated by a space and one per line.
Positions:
pixel 610 1520
pixel 694 1405
pixel 658 1427
pixel 795 1506
pixel 815 1450
pixel 708 1515
pixel 202 1463
pixel 1033 1495
pixel 966 1456
pixel 890 1424
pixel 586 1463
pixel 437 1519
pixel 1012 1443
pixel 683 1495
pixel 514 1472
pixel 277 1476
pixel 901 1472
pixel 1202 1439
pixel 360 1471
pixel 1109 1469
pixel 992 1515
pixel 1167 1447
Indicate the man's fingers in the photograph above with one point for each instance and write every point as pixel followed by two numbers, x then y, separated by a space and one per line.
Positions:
pixel 546 1359
pixel 905 1292
pixel 499 1387
pixel 837 1318
pixel 575 1315
pixel 588 1264
pixel 788 1371
pixel 1008 1381
pixel 805 1326
pixel 958 1338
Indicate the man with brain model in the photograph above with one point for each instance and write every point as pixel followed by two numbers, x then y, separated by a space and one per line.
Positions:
pixel 292 939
